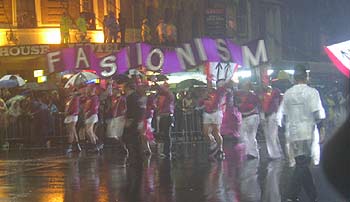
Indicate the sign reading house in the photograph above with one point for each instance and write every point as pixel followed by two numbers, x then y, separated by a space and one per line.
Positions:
pixel 166 60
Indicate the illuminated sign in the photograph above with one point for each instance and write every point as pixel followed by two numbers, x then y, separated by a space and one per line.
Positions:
pixel 38 73
pixel 41 79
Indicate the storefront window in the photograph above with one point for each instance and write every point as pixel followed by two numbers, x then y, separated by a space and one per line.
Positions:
pixel 111 6
pixel 26 17
pixel 87 10
pixel 5 12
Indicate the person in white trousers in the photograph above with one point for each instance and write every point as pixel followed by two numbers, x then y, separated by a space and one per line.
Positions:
pixel 248 105
pixel 270 102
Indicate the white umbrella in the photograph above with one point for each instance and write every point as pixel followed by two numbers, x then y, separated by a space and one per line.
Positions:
pixel 80 78
pixel 17 78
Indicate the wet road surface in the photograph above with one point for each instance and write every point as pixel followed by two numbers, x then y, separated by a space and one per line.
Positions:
pixel 49 176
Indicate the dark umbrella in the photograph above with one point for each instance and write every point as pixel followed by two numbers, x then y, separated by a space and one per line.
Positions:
pixel 121 78
pixel 8 84
pixel 188 84
pixel 40 87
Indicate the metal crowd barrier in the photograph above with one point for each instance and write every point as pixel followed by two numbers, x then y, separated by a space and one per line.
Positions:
pixel 26 131
pixel 187 126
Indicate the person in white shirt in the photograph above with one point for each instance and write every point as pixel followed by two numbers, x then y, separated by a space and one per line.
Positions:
pixel 303 113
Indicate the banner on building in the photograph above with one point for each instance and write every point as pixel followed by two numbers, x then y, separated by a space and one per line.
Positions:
pixel 161 59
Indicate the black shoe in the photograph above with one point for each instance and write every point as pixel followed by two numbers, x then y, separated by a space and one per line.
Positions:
pixel 100 146
pixel 78 148
pixel 296 199
pixel 69 149
pixel 166 156
pixel 251 157
pixel 220 155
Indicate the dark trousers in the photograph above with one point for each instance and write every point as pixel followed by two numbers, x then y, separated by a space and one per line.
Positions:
pixel 164 132
pixel 132 140
pixel 302 178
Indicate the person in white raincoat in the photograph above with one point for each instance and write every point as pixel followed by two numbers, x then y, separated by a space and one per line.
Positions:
pixel 303 112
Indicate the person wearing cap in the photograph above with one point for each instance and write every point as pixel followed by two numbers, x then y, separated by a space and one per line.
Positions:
pixel 72 111
pixel 303 113
pixel 165 115
pixel 271 99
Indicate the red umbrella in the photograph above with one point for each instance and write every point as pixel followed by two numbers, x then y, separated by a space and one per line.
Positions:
pixel 340 56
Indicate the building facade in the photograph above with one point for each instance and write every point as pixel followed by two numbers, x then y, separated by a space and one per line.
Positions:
pixel 30 28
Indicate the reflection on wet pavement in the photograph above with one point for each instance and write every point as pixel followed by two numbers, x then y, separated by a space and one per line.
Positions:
pixel 44 177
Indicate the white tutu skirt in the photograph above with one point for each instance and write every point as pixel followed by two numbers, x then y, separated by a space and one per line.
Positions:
pixel 70 119
pixel 92 119
pixel 115 127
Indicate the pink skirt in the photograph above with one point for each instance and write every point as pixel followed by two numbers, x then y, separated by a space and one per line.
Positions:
pixel 148 129
pixel 231 122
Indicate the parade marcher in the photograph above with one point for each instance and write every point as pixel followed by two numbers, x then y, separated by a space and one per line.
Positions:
pixel 232 118
pixel 161 32
pixel 303 111
pixel 248 105
pixel 134 123
pixel 91 107
pixel 212 119
pixel 72 111
pixel 145 31
pixel 270 101
pixel 149 137
pixel 165 115
pixel 65 25
pixel 116 125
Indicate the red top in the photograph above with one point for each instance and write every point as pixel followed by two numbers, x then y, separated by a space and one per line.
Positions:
pixel 91 106
pixel 118 106
pixel 72 106
pixel 214 101
pixel 249 102
pixel 271 101
pixel 165 102
pixel 151 106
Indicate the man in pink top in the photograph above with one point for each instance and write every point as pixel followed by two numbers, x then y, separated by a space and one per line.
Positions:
pixel 165 112
pixel 72 111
